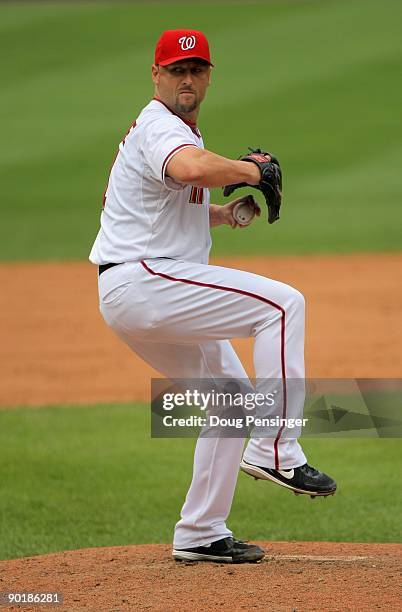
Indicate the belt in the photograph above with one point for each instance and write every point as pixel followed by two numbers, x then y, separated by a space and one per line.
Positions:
pixel 105 267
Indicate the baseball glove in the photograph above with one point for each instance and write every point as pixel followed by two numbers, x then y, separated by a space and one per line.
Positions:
pixel 270 183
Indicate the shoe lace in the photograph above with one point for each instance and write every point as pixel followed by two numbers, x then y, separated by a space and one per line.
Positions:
pixel 311 471
pixel 235 540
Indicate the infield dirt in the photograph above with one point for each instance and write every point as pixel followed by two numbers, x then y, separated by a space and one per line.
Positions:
pixel 56 348
pixel 293 577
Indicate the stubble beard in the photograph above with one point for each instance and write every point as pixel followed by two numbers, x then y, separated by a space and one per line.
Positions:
pixel 186 108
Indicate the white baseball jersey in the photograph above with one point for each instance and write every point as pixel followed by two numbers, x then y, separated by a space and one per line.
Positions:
pixel 146 213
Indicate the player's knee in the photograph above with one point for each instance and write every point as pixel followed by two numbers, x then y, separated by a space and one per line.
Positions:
pixel 296 300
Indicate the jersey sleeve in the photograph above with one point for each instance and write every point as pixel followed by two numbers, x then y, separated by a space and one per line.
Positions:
pixel 162 140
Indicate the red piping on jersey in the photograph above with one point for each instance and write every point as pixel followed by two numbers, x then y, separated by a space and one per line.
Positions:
pixel 168 157
pixel 132 126
pixel 283 329
pixel 190 124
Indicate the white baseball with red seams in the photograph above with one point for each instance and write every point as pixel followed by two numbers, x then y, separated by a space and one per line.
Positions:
pixel 243 213
pixel 179 313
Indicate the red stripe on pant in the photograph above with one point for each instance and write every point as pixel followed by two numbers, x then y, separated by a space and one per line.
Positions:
pixel 283 330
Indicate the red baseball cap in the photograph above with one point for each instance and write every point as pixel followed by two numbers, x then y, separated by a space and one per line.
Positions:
pixel 176 45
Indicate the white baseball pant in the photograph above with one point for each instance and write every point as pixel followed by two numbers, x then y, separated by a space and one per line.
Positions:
pixel 178 316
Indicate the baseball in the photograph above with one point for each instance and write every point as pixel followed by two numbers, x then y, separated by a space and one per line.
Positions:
pixel 243 213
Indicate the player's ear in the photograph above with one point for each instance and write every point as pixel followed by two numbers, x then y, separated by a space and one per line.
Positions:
pixel 155 73
pixel 209 76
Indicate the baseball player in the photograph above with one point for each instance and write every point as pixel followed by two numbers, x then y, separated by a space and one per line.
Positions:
pixel 161 297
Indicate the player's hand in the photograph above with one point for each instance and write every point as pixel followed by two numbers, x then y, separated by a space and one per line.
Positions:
pixel 227 211
pixel 270 183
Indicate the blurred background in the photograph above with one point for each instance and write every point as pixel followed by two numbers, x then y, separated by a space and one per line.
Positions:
pixel 318 83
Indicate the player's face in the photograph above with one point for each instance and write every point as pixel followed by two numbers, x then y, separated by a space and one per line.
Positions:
pixel 182 85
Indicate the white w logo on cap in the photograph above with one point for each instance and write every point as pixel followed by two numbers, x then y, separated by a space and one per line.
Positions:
pixel 187 42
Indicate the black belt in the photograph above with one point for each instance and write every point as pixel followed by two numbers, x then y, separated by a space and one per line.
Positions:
pixel 106 267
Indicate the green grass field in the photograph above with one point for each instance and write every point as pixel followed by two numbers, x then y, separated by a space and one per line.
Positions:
pixel 315 82
pixel 74 477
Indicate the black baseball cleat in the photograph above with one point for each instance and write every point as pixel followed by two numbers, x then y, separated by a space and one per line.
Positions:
pixel 301 480
pixel 227 550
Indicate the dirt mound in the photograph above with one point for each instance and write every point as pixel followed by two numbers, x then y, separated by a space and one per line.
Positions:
pixel 56 348
pixel 294 576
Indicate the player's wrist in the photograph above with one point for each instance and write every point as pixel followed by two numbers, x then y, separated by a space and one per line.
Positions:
pixel 252 174
pixel 215 215
pixel 225 216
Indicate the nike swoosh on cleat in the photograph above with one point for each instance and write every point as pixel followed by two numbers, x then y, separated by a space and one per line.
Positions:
pixel 288 474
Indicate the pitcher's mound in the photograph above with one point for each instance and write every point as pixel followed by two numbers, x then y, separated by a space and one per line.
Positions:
pixel 294 576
